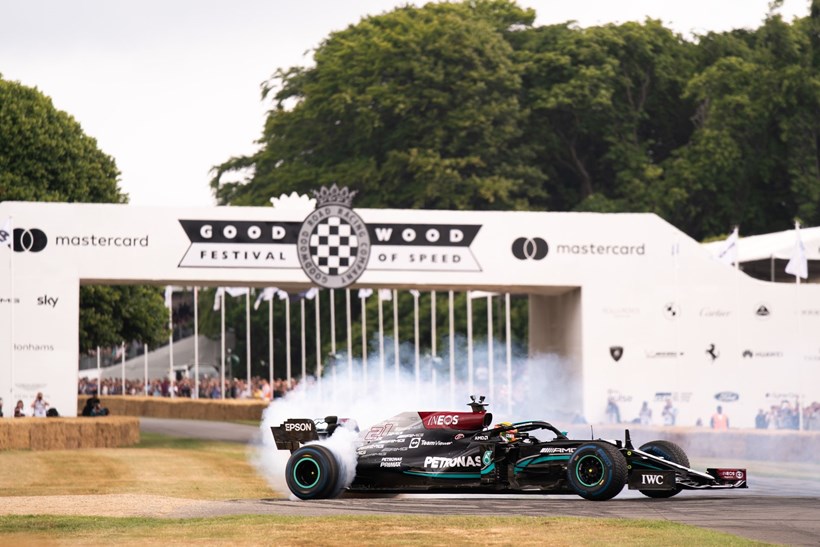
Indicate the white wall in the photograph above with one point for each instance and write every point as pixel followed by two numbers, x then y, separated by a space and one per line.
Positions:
pixel 627 267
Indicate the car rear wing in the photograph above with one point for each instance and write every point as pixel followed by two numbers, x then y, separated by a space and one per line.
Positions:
pixel 294 432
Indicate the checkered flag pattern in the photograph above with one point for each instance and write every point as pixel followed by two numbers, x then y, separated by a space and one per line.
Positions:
pixel 333 246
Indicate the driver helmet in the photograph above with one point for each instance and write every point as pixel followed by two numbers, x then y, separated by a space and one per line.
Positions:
pixel 509 435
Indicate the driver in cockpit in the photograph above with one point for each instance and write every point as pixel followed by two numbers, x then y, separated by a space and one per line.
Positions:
pixel 509 435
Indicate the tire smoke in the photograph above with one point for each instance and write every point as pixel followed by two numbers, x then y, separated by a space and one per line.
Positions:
pixel 369 394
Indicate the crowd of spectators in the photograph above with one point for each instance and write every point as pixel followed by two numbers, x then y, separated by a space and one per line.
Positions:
pixel 209 387
pixel 786 416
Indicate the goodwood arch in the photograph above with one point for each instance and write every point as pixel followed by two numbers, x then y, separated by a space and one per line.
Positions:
pixel 599 286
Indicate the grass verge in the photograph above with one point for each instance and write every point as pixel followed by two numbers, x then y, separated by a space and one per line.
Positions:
pixel 158 465
pixel 358 530
pixel 208 470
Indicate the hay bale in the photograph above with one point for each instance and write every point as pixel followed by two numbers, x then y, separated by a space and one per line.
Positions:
pixel 20 438
pixel 68 433
pixel 184 408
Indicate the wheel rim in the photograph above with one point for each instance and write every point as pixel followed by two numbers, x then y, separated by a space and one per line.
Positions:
pixel 589 470
pixel 306 473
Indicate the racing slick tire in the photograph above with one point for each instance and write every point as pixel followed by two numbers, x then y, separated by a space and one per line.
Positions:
pixel 668 451
pixel 597 471
pixel 312 473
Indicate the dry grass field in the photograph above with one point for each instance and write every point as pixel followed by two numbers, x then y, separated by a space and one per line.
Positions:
pixel 131 496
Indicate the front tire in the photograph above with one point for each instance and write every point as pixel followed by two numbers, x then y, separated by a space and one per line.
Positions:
pixel 312 473
pixel 668 451
pixel 597 471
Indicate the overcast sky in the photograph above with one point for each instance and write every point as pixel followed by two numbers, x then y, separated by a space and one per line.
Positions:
pixel 170 88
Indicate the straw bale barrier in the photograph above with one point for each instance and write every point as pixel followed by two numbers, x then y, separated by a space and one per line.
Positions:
pixel 68 433
pixel 227 410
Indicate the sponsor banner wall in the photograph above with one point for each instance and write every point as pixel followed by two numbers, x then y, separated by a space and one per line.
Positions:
pixel 661 319
pixel 46 342
pixel 731 346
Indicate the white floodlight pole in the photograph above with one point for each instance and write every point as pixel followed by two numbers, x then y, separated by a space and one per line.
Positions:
pixel 396 333
pixel 333 338
pixel 364 344
pixel 381 341
pixel 490 360
pixel 99 368
pixel 123 369
pixel 304 350
pixel 145 368
pixel 171 377
pixel 248 339
pixel 452 353
pixel 469 343
pixel 270 341
pixel 509 351
pixel 417 367
pixel 349 322
pixel 196 343
pixel 332 322
pixel 318 343
pixel 221 296
pixel 288 360
pixel 433 324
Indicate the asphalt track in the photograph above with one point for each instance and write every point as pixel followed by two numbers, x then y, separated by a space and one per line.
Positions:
pixel 774 510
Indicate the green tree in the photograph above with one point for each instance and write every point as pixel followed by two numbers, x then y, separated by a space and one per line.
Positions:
pixel 110 315
pixel 418 107
pixel 46 156
pixel 753 158
pixel 605 110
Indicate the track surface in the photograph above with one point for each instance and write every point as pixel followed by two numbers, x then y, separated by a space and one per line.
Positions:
pixel 761 513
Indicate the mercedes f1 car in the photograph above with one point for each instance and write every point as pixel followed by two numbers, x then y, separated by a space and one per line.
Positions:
pixel 460 452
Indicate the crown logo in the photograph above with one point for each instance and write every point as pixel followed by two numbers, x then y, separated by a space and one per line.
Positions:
pixel 334 196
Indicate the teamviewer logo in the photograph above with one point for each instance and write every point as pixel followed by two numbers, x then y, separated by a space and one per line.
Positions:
pixel 31 240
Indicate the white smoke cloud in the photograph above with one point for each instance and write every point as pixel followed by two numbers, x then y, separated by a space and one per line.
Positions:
pixel 538 390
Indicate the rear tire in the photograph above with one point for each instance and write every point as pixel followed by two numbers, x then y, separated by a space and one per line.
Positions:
pixel 597 471
pixel 312 473
pixel 668 451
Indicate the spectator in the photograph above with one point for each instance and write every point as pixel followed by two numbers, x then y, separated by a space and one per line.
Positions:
pixel 92 406
pixel 39 406
pixel 669 413
pixel 18 410
pixel 761 420
pixel 720 421
pixel 812 417
pixel 645 414
pixel 613 413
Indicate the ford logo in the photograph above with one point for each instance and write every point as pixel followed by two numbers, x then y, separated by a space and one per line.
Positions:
pixel 727 396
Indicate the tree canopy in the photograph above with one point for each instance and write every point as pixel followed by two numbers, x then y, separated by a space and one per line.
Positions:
pixel 417 108
pixel 46 156
pixel 470 106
